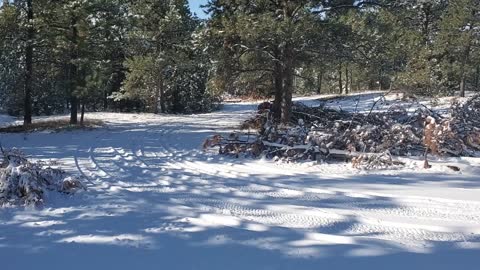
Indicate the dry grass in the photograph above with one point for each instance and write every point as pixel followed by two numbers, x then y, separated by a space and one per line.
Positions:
pixel 56 125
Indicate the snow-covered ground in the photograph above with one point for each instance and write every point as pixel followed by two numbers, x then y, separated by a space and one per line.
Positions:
pixel 6 120
pixel 380 101
pixel 155 200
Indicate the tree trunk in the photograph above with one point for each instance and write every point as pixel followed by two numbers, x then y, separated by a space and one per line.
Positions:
pixel 278 84
pixel 359 87
pixel 346 79
pixel 380 72
pixel 156 100
pixel 162 97
pixel 105 100
pixel 340 82
pixel 351 80
pixel 82 116
pixel 477 79
pixel 73 72
pixel 27 118
pixel 426 26
pixel 73 110
pixel 319 81
pixel 289 74
pixel 163 108
pixel 465 61
pixel 277 103
pixel 462 84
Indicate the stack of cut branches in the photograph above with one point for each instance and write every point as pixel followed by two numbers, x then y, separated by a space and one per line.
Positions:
pixel 458 135
pixel 465 124
pixel 235 144
pixel 368 140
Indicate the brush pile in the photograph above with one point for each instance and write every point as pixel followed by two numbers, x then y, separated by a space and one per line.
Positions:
pixel 319 133
pixel 465 124
pixel 26 183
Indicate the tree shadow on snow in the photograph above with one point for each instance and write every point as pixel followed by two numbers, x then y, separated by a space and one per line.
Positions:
pixel 155 200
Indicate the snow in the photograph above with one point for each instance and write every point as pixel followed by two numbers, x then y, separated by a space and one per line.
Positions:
pixel 6 120
pixel 383 101
pixel 156 200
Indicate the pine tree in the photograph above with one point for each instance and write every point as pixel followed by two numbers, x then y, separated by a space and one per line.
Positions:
pixel 160 40
pixel 458 39
pixel 11 66
pixel 27 120
pixel 274 37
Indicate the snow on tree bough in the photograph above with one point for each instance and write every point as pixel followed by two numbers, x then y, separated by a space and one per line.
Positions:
pixel 26 183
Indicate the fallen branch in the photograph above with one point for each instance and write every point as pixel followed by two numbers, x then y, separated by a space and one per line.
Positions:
pixel 378 138
pixel 26 183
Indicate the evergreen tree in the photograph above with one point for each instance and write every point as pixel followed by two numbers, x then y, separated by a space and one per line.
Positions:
pixel 60 55
pixel 162 56
pixel 277 37
pixel 11 66
pixel 458 40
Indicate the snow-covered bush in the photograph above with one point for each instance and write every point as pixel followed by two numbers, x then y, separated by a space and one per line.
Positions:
pixel 25 183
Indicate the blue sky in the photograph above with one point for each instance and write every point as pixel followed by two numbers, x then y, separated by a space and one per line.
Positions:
pixel 195 7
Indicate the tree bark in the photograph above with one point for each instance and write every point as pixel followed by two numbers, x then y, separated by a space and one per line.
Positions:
pixel 82 116
pixel 426 22
pixel 465 60
pixel 351 79
pixel 289 74
pixel 477 79
pixel 27 118
pixel 156 100
pixel 380 72
pixel 73 110
pixel 160 96
pixel 73 72
pixel 105 100
pixel 319 81
pixel 340 82
pixel 462 84
pixel 346 79
pixel 278 84
pixel 163 108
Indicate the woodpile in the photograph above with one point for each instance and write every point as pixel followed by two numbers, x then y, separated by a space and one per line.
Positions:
pixel 465 124
pixel 369 140
pixel 457 135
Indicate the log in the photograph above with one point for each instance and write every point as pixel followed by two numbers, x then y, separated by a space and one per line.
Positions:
pixel 286 147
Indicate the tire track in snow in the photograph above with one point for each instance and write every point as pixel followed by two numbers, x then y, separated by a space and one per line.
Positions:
pixel 246 193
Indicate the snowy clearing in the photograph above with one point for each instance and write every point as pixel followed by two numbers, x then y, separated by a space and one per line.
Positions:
pixel 155 200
